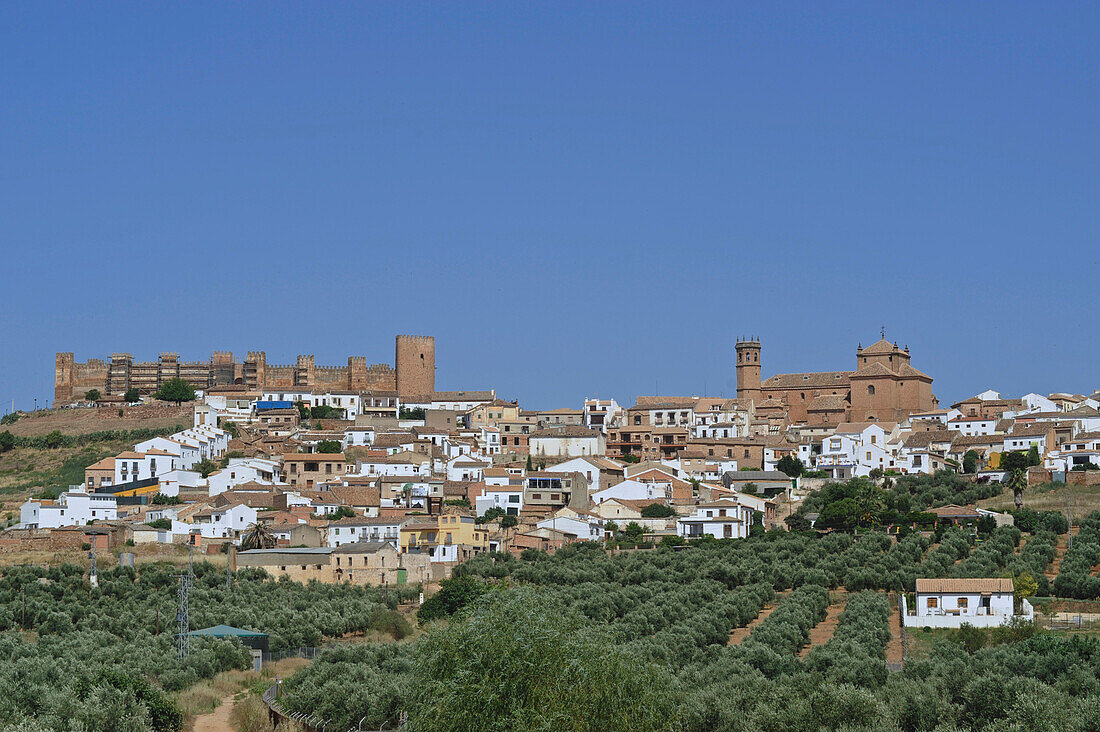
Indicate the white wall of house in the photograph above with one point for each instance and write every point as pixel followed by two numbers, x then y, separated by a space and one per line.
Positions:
pixel 556 446
pixel 633 490
pixel 75 507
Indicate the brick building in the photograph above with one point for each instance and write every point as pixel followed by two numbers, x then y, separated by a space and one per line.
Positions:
pixel 884 387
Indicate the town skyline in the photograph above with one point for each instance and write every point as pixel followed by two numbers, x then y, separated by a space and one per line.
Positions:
pixel 630 195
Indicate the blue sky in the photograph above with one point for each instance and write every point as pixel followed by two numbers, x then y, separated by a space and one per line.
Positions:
pixel 575 199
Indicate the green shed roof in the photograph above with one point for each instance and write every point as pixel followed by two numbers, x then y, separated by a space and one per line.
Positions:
pixel 227 631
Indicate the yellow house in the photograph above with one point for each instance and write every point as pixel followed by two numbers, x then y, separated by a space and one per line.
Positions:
pixel 491 414
pixel 447 537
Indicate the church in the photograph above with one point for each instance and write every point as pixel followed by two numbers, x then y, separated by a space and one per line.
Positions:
pixel 884 387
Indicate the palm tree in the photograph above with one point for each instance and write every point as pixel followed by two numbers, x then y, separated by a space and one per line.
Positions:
pixel 258 536
pixel 1017 482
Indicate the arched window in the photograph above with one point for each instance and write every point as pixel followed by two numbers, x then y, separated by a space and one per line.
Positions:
pixel 871 389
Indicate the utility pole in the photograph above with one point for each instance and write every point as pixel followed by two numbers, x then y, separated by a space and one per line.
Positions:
pixel 1069 515
pixel 183 639
pixel 93 576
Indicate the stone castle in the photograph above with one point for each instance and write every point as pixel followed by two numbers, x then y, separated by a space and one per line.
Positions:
pixel 413 372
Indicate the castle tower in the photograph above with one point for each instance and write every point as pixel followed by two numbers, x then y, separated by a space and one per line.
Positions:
pixel 305 371
pixel 63 377
pixel 415 365
pixel 255 370
pixel 748 369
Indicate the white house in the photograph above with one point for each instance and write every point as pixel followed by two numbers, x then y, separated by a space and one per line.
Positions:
pixel 465 468
pixel 948 603
pixel 973 426
pixel 722 519
pixel 243 470
pixel 131 466
pixel 634 490
pixel 599 414
pixel 402 464
pixel 361 435
pixel 359 528
pixel 585 527
pixel 591 467
pixel 225 522
pixel 186 455
pixel 857 449
pixel 74 507
pixel 508 498
pixel 566 441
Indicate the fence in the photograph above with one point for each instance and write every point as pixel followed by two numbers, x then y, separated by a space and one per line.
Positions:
pixel 309 652
pixel 278 713
pixel 1068 621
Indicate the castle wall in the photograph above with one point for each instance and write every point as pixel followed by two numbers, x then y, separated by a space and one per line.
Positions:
pixel 414 372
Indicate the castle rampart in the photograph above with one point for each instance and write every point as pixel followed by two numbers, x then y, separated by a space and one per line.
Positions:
pixel 413 372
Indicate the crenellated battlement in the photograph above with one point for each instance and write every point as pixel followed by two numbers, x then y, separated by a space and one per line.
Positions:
pixel 413 371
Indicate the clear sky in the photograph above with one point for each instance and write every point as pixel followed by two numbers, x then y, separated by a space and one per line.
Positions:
pixel 576 199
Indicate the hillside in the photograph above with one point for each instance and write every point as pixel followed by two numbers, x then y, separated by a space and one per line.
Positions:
pixel 83 421
pixel 25 471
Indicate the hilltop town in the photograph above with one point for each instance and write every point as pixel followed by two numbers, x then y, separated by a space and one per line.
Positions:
pixel 370 475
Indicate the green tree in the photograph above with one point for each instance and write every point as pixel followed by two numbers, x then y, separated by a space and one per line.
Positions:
pixel 970 461
pixel 490 514
pixel 175 390
pixel 54 440
pixel 1025 586
pixel 132 395
pixel 341 512
pixel 633 531
pixel 1033 458
pixel 790 465
pixel 658 510
pixel 258 536
pixel 508 521
pixel 7 440
pixel 454 594
pixel 525 662
pixel 1017 482
pixel 1011 461
pixel 205 467
pixel 329 446
pixel 92 395
pixel 161 523
pixel 529 466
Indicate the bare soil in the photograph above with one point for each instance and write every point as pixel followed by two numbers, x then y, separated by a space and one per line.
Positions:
pixel 737 635
pixel 895 647
pixel 823 631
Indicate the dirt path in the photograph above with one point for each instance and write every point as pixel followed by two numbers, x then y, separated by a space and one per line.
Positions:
pixel 823 631
pixel 739 634
pixel 217 720
pixel 895 647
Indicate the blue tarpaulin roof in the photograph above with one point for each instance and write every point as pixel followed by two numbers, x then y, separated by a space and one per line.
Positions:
pixel 264 405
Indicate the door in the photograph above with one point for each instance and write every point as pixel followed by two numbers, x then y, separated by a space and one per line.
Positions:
pixel 727 531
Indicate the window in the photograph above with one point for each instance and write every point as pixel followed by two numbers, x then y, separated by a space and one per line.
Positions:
pixel 871 389
pixel 963 603
pixel 933 602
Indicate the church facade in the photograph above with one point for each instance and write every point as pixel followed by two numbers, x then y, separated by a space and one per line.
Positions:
pixel 884 387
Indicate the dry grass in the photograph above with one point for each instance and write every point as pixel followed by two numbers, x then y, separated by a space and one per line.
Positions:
pixel 80 421
pixel 143 553
pixel 1082 499
pixel 205 697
